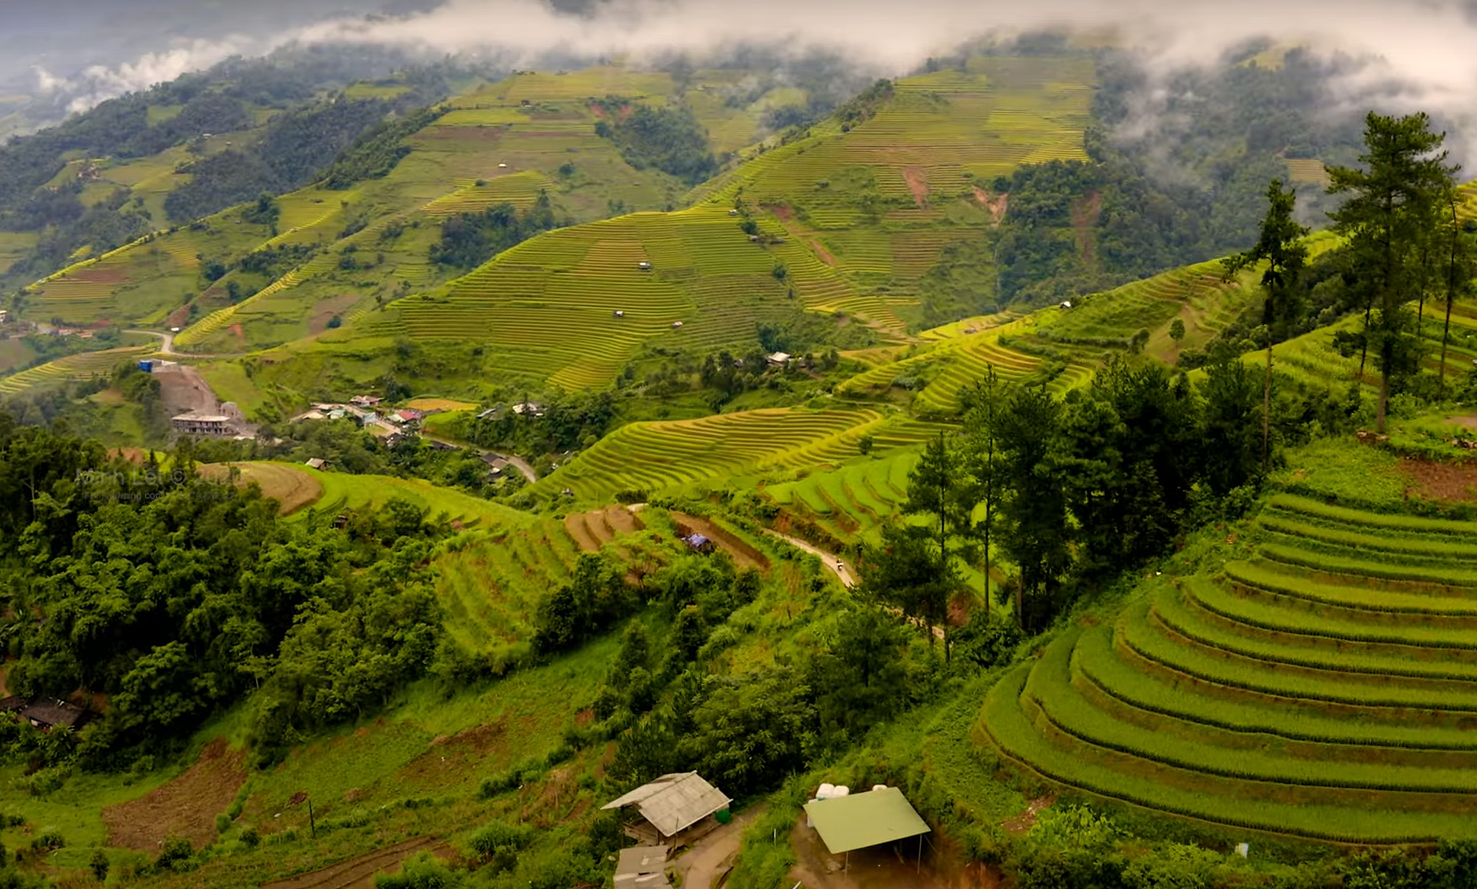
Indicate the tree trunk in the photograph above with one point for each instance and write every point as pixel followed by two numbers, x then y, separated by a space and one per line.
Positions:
pixel 1267 406
pixel 1379 417
pixel 1364 345
pixel 1450 296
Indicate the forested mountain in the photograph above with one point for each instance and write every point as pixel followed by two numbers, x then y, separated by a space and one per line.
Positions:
pixel 1079 447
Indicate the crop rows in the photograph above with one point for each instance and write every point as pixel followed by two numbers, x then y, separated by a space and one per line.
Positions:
pixel 657 456
pixel 950 366
pixel 72 367
pixel 1321 688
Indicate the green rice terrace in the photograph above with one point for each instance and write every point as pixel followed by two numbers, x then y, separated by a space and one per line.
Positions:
pixel 1321 682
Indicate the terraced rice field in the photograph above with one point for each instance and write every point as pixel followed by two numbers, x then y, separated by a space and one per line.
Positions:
pixel 490 583
pixel 949 367
pixel 342 491
pixel 1152 303
pixel 1322 685
pixel 1002 113
pixel 73 367
pixel 660 456
pixel 550 303
pixel 850 503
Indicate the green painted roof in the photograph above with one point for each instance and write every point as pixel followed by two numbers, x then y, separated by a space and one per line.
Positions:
pixel 864 819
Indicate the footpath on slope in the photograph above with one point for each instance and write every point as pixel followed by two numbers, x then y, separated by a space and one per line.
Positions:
pixel 839 567
pixel 702 866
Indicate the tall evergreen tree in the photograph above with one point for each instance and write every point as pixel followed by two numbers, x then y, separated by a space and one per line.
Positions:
pixel 1035 531
pixel 982 460
pixel 1388 209
pixel 936 488
pixel 1281 248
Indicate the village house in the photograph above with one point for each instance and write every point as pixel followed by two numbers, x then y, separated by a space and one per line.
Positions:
pixel 366 400
pixel 779 359
pixel 203 424
pixel 46 713
pixel 676 810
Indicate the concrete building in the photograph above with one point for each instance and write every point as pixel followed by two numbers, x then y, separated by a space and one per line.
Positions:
pixel 203 424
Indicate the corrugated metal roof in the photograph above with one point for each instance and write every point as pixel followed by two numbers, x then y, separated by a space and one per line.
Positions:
pixel 639 860
pixel 674 802
pixel 865 819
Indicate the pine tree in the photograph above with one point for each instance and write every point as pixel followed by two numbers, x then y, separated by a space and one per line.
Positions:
pixel 1389 208
pixel 1281 248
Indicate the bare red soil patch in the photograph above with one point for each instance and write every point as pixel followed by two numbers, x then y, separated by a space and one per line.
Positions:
pixel 185 807
pixel 917 179
pixel 744 555
pixel 326 309
pixel 823 253
pixel 115 274
pixel 997 204
pixel 1452 482
pixel 1022 822
pixel 461 134
pixel 180 316
pixel 358 873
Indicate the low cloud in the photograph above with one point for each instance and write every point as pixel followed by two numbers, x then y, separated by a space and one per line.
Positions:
pixel 1424 46
pixel 99 83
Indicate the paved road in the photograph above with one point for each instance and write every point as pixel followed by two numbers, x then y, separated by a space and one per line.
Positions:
pixel 518 462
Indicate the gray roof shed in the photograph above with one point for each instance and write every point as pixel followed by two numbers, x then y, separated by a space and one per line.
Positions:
pixel 642 867
pixel 675 802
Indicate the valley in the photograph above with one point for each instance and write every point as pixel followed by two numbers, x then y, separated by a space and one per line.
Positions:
pixel 738 424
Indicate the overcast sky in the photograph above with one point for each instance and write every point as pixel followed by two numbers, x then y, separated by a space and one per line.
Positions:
pixel 1430 45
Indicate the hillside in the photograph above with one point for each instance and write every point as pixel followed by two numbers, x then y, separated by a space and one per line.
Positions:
pixel 1090 629
pixel 1309 675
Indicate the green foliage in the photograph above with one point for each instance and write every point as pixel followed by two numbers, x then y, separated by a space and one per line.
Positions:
pixel 862 678
pixel 379 149
pixel 588 605
pixel 667 138
pixel 471 239
pixel 1390 210
pixel 497 845
pixel 423 871
pixel 294 148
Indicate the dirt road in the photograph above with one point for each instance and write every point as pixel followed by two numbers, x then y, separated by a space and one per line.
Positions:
pixel 517 462
pixel 701 866
pixel 834 563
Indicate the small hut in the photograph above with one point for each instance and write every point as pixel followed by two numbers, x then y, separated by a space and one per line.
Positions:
pixel 676 809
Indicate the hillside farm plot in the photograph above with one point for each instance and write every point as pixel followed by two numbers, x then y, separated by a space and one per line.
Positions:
pixel 654 457
pixel 575 305
pixel 1322 685
pixel 850 503
pixel 359 492
pixel 918 147
pixel 290 486
pixel 943 370
pixel 81 366
pixel 490 582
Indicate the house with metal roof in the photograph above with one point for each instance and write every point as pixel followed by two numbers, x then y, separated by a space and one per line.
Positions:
pixel 675 809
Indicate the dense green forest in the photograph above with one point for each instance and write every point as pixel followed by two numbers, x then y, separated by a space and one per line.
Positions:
pixel 669 139
pixel 175 595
